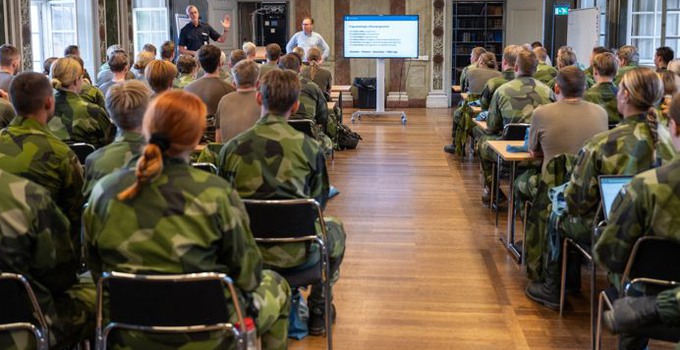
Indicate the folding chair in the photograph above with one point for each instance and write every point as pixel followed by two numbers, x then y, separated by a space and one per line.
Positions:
pixel 167 304
pixel 209 167
pixel 294 221
pixel 19 309
pixel 82 150
pixel 653 263
pixel 306 127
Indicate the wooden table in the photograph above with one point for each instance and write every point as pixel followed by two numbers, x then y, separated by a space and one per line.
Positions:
pixel 481 123
pixel 464 95
pixel 456 88
pixel 330 105
pixel 476 109
pixel 500 148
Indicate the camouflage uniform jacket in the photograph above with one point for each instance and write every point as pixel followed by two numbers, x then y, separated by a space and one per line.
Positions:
pixel 272 160
pixel 515 102
pixel 182 81
pixel 604 94
pixel 648 206
pixel 623 70
pixel 491 87
pixel 94 95
pixel 184 221
pixel 545 74
pixel 76 120
pixel 312 104
pixel 463 77
pixel 624 150
pixel 28 150
pixel 110 158
pixel 6 113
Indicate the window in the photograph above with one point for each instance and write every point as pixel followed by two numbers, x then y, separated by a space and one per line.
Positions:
pixel 149 23
pixel 646 18
pixel 602 6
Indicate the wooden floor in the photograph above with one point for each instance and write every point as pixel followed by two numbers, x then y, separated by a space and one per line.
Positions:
pixel 424 268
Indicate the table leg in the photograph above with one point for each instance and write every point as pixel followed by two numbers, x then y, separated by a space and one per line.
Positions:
pixel 511 214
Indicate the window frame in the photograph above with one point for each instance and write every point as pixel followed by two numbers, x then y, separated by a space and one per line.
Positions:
pixel 164 31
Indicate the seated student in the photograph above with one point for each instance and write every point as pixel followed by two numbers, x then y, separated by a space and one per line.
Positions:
pixel 160 74
pixel 10 61
pixel 513 102
pixel 143 58
pixel 321 77
pixel 633 146
pixel 674 66
pixel 299 53
pixel 190 221
pixel 544 73
pixel 187 68
pixel 250 49
pixel 628 60
pixel 73 51
pixel 485 70
pixel 254 162
pixel 604 91
pixel 89 92
pixel 29 150
pixel 565 57
pixel 474 57
pixel 239 111
pixel 235 56
pixel 210 87
pixel 76 120
pixel 105 75
pixel 662 56
pixel 168 51
pixel 645 208
pixel 47 64
pixel 7 112
pixel 119 66
pixel 35 242
pixel 272 53
pixel 671 85
pixel 590 71
pixel 126 103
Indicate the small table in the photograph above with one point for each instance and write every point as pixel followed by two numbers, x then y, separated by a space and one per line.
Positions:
pixel 330 105
pixel 500 147
pixel 456 88
pixel 481 123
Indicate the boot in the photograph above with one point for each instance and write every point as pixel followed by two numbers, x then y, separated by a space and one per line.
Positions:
pixel 629 314
pixel 450 149
pixel 548 292
pixel 317 321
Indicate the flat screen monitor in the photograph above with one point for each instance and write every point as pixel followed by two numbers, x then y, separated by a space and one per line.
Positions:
pixel 381 36
pixel 610 186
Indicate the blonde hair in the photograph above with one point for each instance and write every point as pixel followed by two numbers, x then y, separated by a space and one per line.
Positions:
pixel 487 60
pixel 159 74
pixel 143 59
pixel 605 64
pixel 126 103
pixel 64 72
pixel 173 124
pixel 645 90
pixel 313 57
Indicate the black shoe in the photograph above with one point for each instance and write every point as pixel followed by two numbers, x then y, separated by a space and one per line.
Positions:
pixel 486 196
pixel 450 149
pixel 630 314
pixel 317 322
pixel 543 294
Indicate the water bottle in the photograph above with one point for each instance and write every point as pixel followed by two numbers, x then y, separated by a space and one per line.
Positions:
pixel 252 342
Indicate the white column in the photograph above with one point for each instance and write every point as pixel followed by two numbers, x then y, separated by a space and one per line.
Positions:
pixel 440 62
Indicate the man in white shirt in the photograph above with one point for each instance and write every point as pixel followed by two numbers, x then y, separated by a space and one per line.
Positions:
pixel 307 38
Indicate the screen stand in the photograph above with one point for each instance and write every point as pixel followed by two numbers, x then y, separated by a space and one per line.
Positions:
pixel 380 96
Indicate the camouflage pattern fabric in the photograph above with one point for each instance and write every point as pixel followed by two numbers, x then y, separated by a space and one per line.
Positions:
pixel 545 74
pixel 209 154
pixel 76 120
pixel 492 85
pixel 313 107
pixel 623 70
pixel 184 221
pixel 108 159
pixel 604 94
pixel 35 243
pixel 526 187
pixel 272 160
pixel 463 124
pixel 29 150
pixel 625 150
pixel 92 94
pixel 182 81
pixel 668 305
pixel 6 113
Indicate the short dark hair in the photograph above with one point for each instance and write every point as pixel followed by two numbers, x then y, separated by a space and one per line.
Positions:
pixel 605 64
pixel 527 61
pixel 280 89
pixel 8 53
pixel 309 18
pixel 536 44
pixel 571 81
pixel 290 61
pixel 600 49
pixel 235 56
pixel 48 64
pixel 666 53
pixel 150 47
pixel 273 51
pixel 209 57
pixel 71 50
pixel 118 61
pixel 186 64
pixel 167 50
pixel 28 92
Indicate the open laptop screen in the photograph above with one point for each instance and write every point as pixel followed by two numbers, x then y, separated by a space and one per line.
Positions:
pixel 610 186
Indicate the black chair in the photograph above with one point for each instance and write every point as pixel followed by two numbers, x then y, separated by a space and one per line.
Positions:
pixel 514 131
pixel 304 126
pixel 82 150
pixel 653 264
pixel 19 309
pixel 294 221
pixel 170 304
pixel 209 167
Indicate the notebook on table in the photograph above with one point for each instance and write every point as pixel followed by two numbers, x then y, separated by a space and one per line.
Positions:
pixel 610 186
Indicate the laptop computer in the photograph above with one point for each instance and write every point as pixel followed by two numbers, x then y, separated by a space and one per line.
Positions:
pixel 610 186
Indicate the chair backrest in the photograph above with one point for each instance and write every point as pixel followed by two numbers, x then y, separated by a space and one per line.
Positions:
pixel 653 261
pixel 82 150
pixel 166 303
pixel 514 131
pixel 19 308
pixel 209 167
pixel 305 126
pixel 286 218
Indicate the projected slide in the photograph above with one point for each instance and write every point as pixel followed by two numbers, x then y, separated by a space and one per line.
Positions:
pixel 376 36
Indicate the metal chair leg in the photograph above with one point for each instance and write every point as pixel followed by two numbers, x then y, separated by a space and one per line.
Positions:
pixel 329 317
pixel 563 285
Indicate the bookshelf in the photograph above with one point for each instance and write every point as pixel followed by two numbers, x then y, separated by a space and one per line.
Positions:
pixel 476 23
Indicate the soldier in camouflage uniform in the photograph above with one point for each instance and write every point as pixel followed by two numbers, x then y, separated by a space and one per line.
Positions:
pixel 76 120
pixel 474 57
pixel 604 91
pixel 628 149
pixel 34 242
pixel 564 58
pixel 89 92
pixel 126 104
pixel 596 51
pixel 508 73
pixel 272 160
pixel 628 60
pixel 165 217
pixel 513 102
pixel 6 110
pixel 29 150
pixel 544 73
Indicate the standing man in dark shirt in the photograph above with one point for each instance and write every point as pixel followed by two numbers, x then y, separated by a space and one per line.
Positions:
pixel 197 33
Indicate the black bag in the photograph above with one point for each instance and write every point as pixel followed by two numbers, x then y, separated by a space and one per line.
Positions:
pixel 347 139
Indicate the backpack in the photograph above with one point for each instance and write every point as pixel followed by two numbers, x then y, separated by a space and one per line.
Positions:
pixel 347 139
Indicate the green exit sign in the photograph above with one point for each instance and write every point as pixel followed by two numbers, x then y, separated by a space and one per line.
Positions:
pixel 561 10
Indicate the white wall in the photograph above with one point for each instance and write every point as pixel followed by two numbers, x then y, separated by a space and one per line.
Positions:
pixel 524 21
